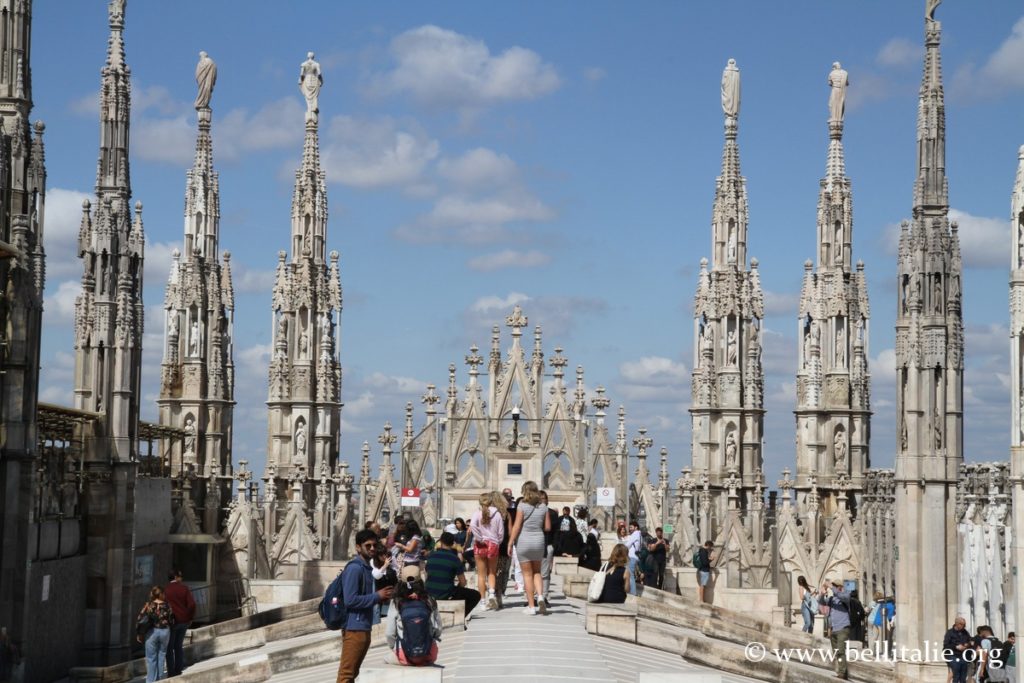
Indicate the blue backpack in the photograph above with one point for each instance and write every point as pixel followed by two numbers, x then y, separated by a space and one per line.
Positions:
pixel 417 633
pixel 332 607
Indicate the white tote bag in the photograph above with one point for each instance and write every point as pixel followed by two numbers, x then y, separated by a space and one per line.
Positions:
pixel 596 586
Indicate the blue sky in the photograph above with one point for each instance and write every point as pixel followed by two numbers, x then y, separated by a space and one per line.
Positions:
pixel 559 155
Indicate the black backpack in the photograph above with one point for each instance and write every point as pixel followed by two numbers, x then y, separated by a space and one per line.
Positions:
pixel 997 652
pixel 857 613
pixel 332 607
pixel 417 632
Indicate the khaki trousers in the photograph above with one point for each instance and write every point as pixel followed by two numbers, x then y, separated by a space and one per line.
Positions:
pixel 354 645
pixel 838 640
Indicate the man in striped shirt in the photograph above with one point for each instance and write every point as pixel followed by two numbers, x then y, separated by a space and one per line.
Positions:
pixel 445 578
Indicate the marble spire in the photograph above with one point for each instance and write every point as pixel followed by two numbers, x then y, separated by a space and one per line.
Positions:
pixel 22 280
pixel 197 377
pixel 929 373
pixel 833 384
pixel 305 373
pixel 1017 380
pixel 109 317
pixel 109 311
pixel 728 380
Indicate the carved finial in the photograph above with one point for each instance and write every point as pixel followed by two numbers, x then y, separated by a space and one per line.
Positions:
pixel 473 360
pixel 517 321
pixel 642 442
pixel 430 398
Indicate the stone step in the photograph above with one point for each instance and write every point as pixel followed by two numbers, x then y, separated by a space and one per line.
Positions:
pixel 706 642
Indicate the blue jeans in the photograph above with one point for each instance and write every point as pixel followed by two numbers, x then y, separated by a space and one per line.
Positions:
pixel 156 651
pixel 176 650
pixel 808 619
pixel 632 575
pixel 959 669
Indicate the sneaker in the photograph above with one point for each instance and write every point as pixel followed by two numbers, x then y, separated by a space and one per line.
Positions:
pixel 542 604
pixel 529 610
pixel 492 601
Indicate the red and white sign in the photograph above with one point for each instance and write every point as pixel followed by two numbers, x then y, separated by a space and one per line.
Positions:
pixel 411 498
pixel 606 496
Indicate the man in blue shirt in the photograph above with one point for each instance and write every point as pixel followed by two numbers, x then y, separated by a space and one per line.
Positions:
pixel 357 590
pixel 838 601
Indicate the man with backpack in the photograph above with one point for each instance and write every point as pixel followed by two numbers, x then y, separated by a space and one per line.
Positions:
pixel 358 597
pixel 838 601
pixel 991 656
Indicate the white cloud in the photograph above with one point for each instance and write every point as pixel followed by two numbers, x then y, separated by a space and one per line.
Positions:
pixel 900 52
pixel 382 383
pixel 440 67
pixel 781 303
pixel 479 168
pixel 375 153
pixel 866 88
pixel 509 258
pixel 559 316
pixel 171 139
pixel 489 304
pixel 168 140
pixel 654 370
pixel 158 262
pixel 247 279
pixel 60 231
pixel 60 305
pixel 984 242
pixel 594 74
pixel 999 75
pixel 464 219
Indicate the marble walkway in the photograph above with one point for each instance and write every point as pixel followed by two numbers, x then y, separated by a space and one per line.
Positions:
pixel 509 645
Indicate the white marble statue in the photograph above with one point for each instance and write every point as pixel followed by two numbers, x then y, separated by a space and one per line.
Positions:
pixel 172 328
pixel 731 255
pixel 838 79
pixel 839 244
pixel 807 346
pixel 731 348
pixel 937 296
pixel 929 11
pixel 840 347
pixel 303 343
pixel 753 344
pixel 860 330
pixel 300 442
pixel 193 347
pixel 839 451
pixel 310 80
pixel 731 89
pixel 730 450
pixel 206 78
pixel 190 436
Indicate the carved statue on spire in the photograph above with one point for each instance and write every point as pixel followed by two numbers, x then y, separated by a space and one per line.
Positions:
pixel 310 80
pixel 116 10
pixel 206 78
pixel 929 11
pixel 838 79
pixel 731 89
